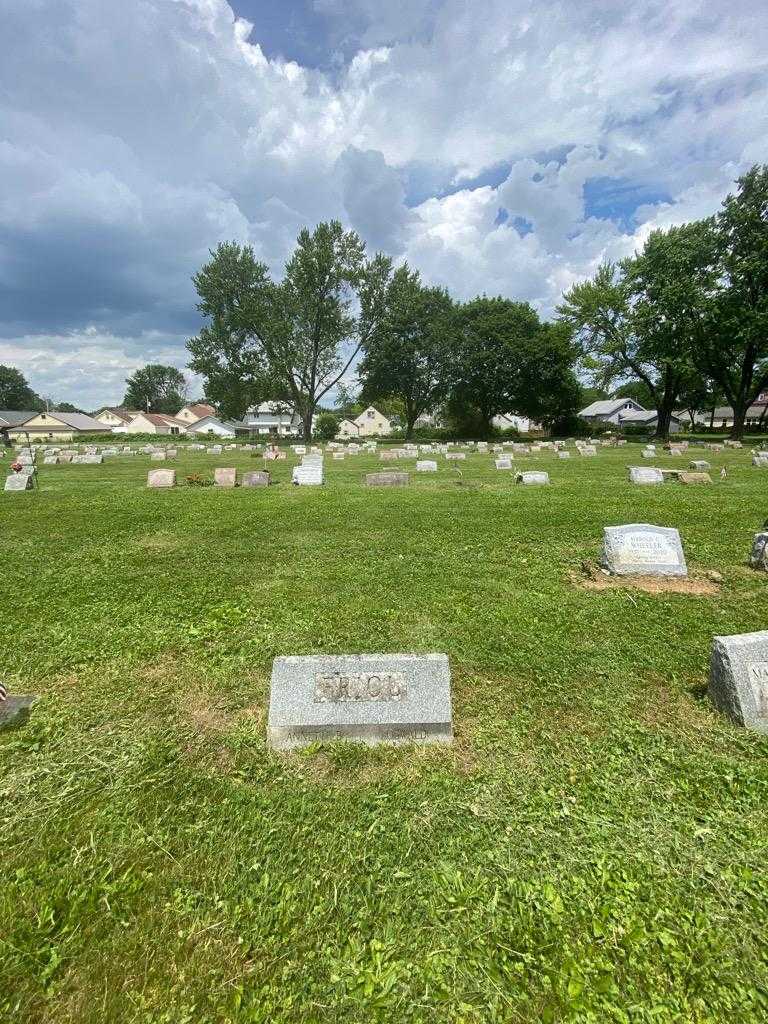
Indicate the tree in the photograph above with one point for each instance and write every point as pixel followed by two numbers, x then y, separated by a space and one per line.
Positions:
pixel 15 392
pixel 645 317
pixel 410 360
pixel 637 390
pixel 155 388
pixel 65 407
pixel 506 360
pixel 327 426
pixel 735 350
pixel 293 341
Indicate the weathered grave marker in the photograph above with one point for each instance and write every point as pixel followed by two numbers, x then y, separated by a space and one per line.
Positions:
pixel 503 463
pixel 391 479
pixel 367 698
pixel 308 475
pixel 640 549
pixel 426 466
pixel 224 477
pixel 738 678
pixel 758 557
pixel 258 478
pixel 161 478
pixel 643 475
pixel 694 478
pixel 532 478
pixel 18 482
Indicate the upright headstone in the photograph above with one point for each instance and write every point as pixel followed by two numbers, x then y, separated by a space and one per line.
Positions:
pixel 700 466
pixel 532 478
pixel 14 708
pixel 161 478
pixel 157 457
pixel 224 477
pixel 367 698
pixel 308 475
pixel 503 463
pixel 18 482
pixel 640 549
pixel 387 479
pixel 758 557
pixel 641 475
pixel 259 478
pixel 738 678
pixel 694 478
pixel 563 455
pixel 426 466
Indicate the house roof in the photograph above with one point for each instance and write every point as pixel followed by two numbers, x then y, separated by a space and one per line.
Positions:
pixel 200 409
pixel 126 415
pixel 13 417
pixel 162 420
pixel 272 409
pixel 608 406
pixel 230 424
pixel 644 416
pixel 370 408
pixel 77 420
pixel 725 412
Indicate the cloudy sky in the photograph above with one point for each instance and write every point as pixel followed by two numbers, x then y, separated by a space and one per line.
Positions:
pixel 499 146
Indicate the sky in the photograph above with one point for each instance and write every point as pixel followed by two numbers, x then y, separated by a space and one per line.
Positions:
pixel 500 147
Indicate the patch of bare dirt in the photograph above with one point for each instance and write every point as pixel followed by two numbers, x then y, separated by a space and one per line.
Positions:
pixel 592 577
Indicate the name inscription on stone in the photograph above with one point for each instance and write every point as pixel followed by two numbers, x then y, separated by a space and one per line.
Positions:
pixel 359 686
pixel 758 678
pixel 648 548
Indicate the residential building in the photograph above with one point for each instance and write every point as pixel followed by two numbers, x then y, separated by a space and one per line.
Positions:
pixel 723 416
pixel 196 411
pixel 372 423
pixel 610 410
pixel 56 426
pixel 647 418
pixel 214 425
pixel 273 418
pixel 347 428
pixel 10 418
pixel 156 423
pixel 117 419
pixel 511 421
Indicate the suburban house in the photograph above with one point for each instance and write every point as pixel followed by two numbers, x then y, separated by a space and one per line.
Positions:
pixel 510 421
pixel 610 410
pixel 10 418
pixel 369 423
pixel 56 426
pixel 116 419
pixel 723 416
pixel 195 412
pixel 156 423
pixel 273 418
pixel 648 418
pixel 214 425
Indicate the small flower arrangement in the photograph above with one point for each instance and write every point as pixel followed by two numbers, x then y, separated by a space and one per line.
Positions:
pixel 198 480
pixel 16 467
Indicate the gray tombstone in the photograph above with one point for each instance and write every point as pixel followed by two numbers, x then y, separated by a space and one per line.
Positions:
pixel 224 477
pixel 392 479
pixel 639 549
pixel 50 460
pixel 503 463
pixel 563 455
pixel 161 478
pixel 366 698
pixel 700 466
pixel 694 478
pixel 157 457
pixel 426 466
pixel 531 479
pixel 760 460
pixel 14 709
pixel 18 482
pixel 758 557
pixel 738 678
pixel 257 478
pixel 643 475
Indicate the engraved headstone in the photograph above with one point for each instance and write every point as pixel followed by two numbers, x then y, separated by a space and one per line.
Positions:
pixel 161 478
pixel 738 678
pixel 426 466
pixel 387 479
pixel 18 482
pixel 563 455
pixel 640 549
pixel 532 478
pixel 760 460
pixel 503 463
pixel 700 466
pixel 455 455
pixel 224 477
pixel 259 478
pixel 308 475
pixel 694 478
pixel 157 457
pixel 366 698
pixel 641 475
pixel 50 460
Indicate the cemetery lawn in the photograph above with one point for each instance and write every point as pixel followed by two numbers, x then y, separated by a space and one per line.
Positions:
pixel 593 848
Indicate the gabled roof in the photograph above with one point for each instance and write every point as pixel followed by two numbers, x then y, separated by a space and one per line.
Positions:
pixel 608 406
pixel 199 409
pixel 14 417
pixel 76 420
pixel 646 416
pixel 162 420
pixel 368 409
pixel 126 415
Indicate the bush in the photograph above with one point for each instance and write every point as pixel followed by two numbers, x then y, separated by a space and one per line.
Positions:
pixel 327 426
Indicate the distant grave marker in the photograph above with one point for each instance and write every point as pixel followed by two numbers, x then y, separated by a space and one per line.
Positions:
pixel 224 477
pixel 161 478
pixel 258 478
pixel 426 466
pixel 503 463
pixel 532 478
pixel 391 479
pixel 643 475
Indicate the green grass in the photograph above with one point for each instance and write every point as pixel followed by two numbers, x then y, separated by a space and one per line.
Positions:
pixel 591 849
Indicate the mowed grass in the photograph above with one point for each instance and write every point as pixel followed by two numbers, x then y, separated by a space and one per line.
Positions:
pixel 592 848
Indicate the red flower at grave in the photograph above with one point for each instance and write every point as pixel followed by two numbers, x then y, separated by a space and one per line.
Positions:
pixel 16 467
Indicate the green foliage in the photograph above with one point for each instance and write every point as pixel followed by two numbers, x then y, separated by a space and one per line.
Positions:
pixel 326 426
pixel 591 849
pixel 15 392
pixel 155 388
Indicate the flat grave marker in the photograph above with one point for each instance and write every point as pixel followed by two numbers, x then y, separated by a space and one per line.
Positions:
pixel 391 479
pixel 645 475
pixel 18 482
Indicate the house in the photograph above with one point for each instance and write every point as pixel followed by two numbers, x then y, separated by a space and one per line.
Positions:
pixel 723 416
pixel 648 418
pixel 347 428
pixel 10 418
pixel 371 422
pixel 193 413
pixel 274 418
pixel 56 426
pixel 511 421
pixel 116 419
pixel 214 425
pixel 610 410
pixel 156 423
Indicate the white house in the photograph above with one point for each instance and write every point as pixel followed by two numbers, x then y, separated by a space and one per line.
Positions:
pixel 213 425
pixel 369 423
pixel 156 423
pixel 273 418
pixel 347 428
pixel 116 419
pixel 648 418
pixel 610 410
pixel 511 421
pixel 55 426
pixel 194 413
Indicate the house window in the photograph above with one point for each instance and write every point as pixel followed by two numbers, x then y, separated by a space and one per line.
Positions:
pixel 370 414
pixel 174 430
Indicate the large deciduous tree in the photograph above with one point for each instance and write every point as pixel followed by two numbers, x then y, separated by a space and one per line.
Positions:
pixel 409 360
pixel 291 341
pixel 735 350
pixel 155 388
pixel 15 392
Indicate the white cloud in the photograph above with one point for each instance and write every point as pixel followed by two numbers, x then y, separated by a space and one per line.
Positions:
pixel 134 138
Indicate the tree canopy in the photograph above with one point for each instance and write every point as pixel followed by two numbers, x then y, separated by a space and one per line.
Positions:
pixel 155 388
pixel 15 392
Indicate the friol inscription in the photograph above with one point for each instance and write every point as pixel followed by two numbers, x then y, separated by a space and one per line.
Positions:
pixel 644 547
pixel 358 686
pixel 758 678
